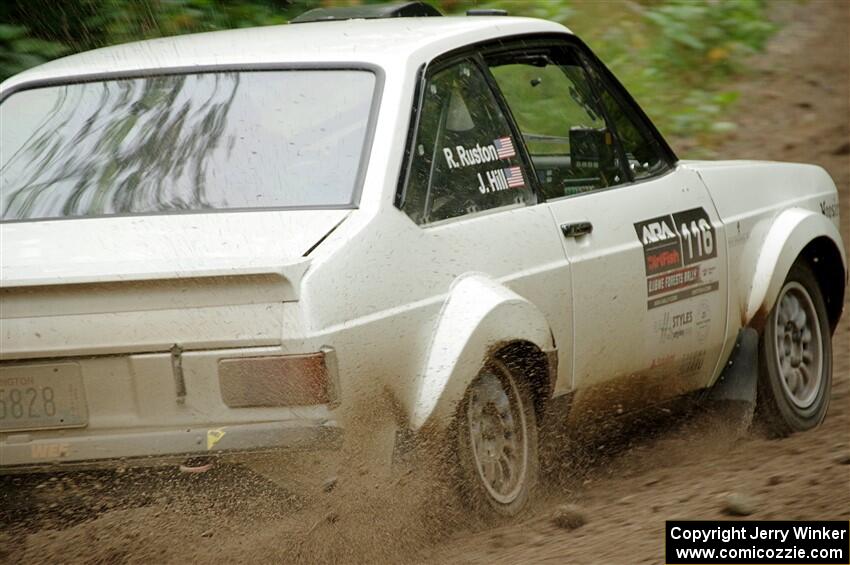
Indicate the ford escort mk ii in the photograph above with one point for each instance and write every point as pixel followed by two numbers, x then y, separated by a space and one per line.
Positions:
pixel 227 242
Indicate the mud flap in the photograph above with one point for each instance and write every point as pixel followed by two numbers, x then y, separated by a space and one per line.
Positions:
pixel 738 380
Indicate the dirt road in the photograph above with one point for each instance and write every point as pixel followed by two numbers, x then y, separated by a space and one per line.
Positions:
pixel 796 108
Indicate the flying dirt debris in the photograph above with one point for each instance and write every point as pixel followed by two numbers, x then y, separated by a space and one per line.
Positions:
pixel 476 309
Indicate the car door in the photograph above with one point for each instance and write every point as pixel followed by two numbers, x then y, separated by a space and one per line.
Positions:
pixel 645 244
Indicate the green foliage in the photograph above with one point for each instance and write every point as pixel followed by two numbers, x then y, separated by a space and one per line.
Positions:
pixel 20 51
pixel 130 20
pixel 88 24
pixel 691 33
pixel 674 56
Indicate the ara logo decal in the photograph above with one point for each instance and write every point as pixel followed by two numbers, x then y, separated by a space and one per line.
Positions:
pixel 654 232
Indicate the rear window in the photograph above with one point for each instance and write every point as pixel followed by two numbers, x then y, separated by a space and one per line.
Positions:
pixel 189 142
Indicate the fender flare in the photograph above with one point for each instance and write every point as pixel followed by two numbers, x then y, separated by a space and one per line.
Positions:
pixel 478 316
pixel 789 234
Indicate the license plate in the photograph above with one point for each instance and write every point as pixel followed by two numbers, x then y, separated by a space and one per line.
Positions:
pixel 34 397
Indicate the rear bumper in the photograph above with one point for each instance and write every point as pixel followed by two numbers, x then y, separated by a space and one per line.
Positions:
pixel 24 452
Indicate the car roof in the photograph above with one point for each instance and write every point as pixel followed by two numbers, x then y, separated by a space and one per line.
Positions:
pixel 382 42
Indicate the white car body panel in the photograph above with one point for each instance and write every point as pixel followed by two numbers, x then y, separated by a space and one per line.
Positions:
pixel 681 338
pixel 788 235
pixel 155 247
pixel 771 210
pixel 473 320
pixel 379 310
pixel 411 312
pixel 112 289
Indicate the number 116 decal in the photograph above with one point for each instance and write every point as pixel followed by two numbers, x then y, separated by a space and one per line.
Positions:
pixel 676 240
pixel 697 235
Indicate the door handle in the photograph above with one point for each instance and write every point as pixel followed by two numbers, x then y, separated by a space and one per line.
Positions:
pixel 576 229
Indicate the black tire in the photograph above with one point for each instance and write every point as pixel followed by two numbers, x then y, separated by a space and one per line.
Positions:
pixel 484 497
pixel 784 408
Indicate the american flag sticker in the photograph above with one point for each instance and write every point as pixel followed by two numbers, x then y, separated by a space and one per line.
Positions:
pixel 514 177
pixel 504 147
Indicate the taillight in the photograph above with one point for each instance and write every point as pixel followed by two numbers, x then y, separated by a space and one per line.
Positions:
pixel 279 380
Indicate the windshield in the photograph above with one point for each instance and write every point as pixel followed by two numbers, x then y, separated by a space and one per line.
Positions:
pixel 190 142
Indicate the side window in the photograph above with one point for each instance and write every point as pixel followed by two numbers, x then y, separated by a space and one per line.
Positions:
pixel 552 100
pixel 643 152
pixel 464 158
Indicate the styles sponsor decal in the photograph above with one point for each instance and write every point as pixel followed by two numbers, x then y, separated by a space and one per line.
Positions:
pixel 689 323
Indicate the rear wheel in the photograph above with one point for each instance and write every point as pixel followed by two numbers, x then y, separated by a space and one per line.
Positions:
pixel 795 357
pixel 497 442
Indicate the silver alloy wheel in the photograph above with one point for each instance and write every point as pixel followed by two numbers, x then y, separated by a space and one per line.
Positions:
pixel 498 435
pixel 798 346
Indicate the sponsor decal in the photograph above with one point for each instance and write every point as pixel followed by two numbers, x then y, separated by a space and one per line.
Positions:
pixel 662 247
pixel 683 295
pixel 683 319
pixel 674 246
pixel 674 280
pixel 664 259
pixel 702 320
pixel 465 156
pixel 675 324
pixel 691 363
pixel 676 240
pixel 829 209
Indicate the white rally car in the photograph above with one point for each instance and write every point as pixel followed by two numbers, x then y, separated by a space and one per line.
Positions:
pixel 229 241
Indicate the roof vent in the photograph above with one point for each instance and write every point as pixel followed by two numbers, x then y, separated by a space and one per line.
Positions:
pixel 369 12
pixel 486 12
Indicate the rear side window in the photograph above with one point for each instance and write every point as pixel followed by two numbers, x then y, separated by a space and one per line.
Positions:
pixel 464 158
pixel 193 142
